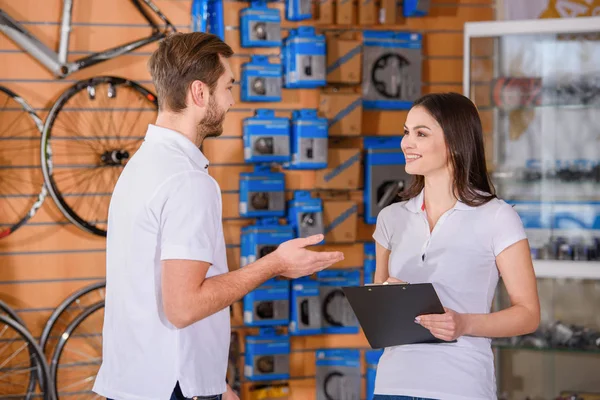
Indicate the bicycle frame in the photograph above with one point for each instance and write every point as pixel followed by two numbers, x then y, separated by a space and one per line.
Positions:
pixel 57 63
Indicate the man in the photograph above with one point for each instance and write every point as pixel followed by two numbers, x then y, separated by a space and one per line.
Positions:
pixel 166 326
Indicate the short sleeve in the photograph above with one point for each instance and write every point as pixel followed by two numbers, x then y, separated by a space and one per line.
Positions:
pixel 189 218
pixel 508 229
pixel 382 234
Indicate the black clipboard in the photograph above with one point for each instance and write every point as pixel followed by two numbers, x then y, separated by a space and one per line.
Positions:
pixel 386 313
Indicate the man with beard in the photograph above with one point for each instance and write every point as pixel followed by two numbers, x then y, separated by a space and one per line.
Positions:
pixel 168 288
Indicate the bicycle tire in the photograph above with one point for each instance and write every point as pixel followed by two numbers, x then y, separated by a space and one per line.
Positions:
pixel 42 367
pixel 63 340
pixel 33 201
pixel 58 311
pixel 106 156
pixel 7 310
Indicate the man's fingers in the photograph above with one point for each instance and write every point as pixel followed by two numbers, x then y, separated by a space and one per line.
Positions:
pixel 310 240
pixel 329 256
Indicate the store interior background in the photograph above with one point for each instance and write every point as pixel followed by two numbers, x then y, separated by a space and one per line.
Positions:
pixel 49 258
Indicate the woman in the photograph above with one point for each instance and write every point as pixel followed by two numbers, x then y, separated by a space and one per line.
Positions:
pixel 456 234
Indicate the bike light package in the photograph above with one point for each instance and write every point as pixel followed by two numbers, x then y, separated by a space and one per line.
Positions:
pixel 267 356
pixel 262 193
pixel 298 10
pixel 309 140
pixel 303 57
pixel 260 26
pixel 416 8
pixel 392 64
pixel 268 304
pixel 338 316
pixel 266 138
pixel 338 374
pixel 369 263
pixel 305 315
pixel 385 174
pixel 262 238
pixel 261 80
pixel 372 359
pixel 305 214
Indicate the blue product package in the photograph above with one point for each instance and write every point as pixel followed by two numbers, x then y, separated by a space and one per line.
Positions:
pixel 298 10
pixel 338 316
pixel 369 263
pixel 305 314
pixel 262 193
pixel 392 69
pixel 372 359
pixel 337 374
pixel 265 236
pixel 268 304
pixel 261 80
pixel 267 356
pixel 385 175
pixel 305 214
pixel 260 26
pixel 309 140
pixel 303 58
pixel 266 138
pixel 416 8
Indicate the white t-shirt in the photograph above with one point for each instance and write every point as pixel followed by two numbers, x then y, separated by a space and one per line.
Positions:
pixel 458 257
pixel 164 206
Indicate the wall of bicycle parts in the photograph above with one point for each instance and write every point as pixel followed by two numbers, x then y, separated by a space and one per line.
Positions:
pixel 49 258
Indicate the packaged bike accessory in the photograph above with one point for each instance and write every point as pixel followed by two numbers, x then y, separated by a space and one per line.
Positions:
pixel 267 356
pixel 262 193
pixel 266 138
pixel 305 214
pixel 263 238
pixel 298 10
pixel 260 26
pixel 416 8
pixel 268 304
pixel 385 174
pixel 279 391
pixel 338 374
pixel 303 58
pixel 309 140
pixel 369 263
pixel 207 16
pixel 372 359
pixel 336 311
pixel 392 63
pixel 305 316
pixel 261 80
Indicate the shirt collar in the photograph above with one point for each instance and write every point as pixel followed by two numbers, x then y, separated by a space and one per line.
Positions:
pixel 415 204
pixel 163 135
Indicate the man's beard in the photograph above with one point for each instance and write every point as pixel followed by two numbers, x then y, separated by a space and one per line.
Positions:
pixel 212 123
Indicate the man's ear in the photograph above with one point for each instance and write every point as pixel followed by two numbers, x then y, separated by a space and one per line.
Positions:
pixel 199 93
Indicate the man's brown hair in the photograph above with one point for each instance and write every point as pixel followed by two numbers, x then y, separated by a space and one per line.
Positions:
pixel 182 58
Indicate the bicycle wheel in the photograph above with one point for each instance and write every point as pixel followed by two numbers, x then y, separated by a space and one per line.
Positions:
pixel 91 132
pixel 67 311
pixel 78 355
pixel 10 313
pixel 22 189
pixel 22 359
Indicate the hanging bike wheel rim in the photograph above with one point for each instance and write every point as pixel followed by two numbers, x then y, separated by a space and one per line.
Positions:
pixel 22 189
pixel 78 355
pixel 91 132
pixel 22 360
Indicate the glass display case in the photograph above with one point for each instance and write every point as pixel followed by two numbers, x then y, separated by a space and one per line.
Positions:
pixel 537 86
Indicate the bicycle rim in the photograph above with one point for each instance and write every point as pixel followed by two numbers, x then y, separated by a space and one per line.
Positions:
pixel 91 132
pixel 32 362
pixel 22 189
pixel 78 354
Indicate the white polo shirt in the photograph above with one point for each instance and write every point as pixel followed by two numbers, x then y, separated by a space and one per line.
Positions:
pixel 458 257
pixel 164 206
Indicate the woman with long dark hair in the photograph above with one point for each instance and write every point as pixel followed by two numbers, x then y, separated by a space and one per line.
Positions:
pixel 453 232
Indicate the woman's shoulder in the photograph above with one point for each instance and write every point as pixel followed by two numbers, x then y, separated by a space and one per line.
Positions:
pixel 495 206
pixel 395 209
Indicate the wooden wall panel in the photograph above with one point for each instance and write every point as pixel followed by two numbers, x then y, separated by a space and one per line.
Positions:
pixel 48 258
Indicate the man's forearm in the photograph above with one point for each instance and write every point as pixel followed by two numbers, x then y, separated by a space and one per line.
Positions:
pixel 218 292
pixel 513 321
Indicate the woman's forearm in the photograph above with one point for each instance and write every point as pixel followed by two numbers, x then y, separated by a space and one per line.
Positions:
pixel 513 321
